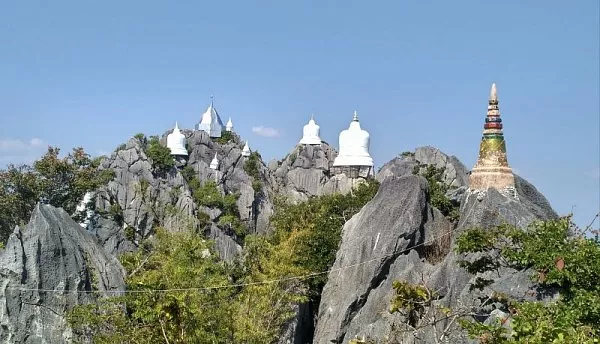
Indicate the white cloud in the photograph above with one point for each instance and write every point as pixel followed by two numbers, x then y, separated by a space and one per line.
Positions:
pixel 15 151
pixel 266 131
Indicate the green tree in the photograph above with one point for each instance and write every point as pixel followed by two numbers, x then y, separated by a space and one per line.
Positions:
pixel 61 182
pixel 194 312
pixel 437 191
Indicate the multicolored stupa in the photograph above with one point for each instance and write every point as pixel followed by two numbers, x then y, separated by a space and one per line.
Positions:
pixel 491 169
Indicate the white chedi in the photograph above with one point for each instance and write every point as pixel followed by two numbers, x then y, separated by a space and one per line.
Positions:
pixel 229 125
pixel 310 133
pixel 246 151
pixel 211 122
pixel 176 142
pixel 354 146
pixel 214 164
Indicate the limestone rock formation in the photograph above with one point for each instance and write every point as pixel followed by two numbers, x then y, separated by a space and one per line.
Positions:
pixel 398 236
pixel 305 171
pixel 47 267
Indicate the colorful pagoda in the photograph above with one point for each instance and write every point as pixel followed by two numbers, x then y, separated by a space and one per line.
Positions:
pixel 491 169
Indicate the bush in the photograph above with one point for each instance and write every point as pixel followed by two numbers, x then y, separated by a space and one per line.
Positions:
pixel 226 137
pixel 159 155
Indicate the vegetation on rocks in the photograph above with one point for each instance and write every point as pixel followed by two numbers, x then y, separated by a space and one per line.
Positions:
pixel 61 182
pixel 437 191
pixel 562 259
pixel 159 155
pixel 252 168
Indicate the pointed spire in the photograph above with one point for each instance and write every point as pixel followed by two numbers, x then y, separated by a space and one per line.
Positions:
pixel 312 116
pixel 176 126
pixel 493 93
pixel 211 100
pixel 229 125
pixel 355 117
pixel 214 164
pixel 246 151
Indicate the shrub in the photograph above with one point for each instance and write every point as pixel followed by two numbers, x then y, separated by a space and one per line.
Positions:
pixel 159 155
pixel 226 137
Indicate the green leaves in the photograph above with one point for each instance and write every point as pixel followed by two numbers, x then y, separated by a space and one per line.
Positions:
pixel 61 182
pixel 159 155
pixel 563 259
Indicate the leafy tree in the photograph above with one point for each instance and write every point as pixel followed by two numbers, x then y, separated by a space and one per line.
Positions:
pixel 19 192
pixel 177 261
pixel 61 182
pixel 563 259
pixel 226 137
pixel 159 155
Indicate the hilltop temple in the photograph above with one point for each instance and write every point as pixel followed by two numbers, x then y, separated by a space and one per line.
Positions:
pixel 310 133
pixel 211 122
pixel 491 169
pixel 353 158
pixel 176 142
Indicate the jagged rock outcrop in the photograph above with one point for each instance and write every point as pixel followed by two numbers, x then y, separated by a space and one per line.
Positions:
pixel 372 242
pixel 305 171
pixel 398 236
pixel 145 198
pixel 308 171
pixel 47 267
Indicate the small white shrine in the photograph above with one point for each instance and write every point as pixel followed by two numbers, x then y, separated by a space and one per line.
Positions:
pixel 246 151
pixel 176 142
pixel 310 133
pixel 214 164
pixel 229 125
pixel 211 122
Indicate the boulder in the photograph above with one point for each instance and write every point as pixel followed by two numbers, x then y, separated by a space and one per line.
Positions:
pixel 47 267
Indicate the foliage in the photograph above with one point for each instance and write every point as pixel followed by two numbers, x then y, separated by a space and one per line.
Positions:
pixel 437 191
pixel 61 182
pixel 411 299
pixel 176 261
pixel 226 137
pixel 252 165
pixel 406 154
pixel 140 137
pixel 312 229
pixel 159 155
pixel 562 258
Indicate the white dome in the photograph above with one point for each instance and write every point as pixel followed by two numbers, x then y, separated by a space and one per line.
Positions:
pixel 176 142
pixel 246 151
pixel 229 125
pixel 354 146
pixel 311 133
pixel 211 122
pixel 214 164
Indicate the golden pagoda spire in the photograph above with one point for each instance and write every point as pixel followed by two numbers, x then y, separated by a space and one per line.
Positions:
pixel 492 169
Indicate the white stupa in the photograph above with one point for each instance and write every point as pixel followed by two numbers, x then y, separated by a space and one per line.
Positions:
pixel 246 151
pixel 214 164
pixel 310 133
pixel 229 125
pixel 211 122
pixel 176 142
pixel 354 147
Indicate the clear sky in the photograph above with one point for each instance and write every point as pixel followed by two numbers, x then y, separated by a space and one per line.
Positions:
pixel 94 73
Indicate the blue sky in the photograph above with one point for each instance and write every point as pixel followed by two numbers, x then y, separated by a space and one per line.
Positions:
pixel 92 74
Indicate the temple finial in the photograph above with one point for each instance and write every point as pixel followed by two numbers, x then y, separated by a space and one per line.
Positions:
pixel 493 92
pixel 176 126
pixel 211 99
pixel 355 117
pixel 312 117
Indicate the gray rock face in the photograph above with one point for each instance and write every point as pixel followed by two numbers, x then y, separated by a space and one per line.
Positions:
pixel 47 268
pixel 372 241
pixel 490 208
pixel 455 173
pixel 146 199
pixel 305 171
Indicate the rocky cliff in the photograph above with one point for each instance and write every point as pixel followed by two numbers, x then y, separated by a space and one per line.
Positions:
pixel 399 236
pixel 46 268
